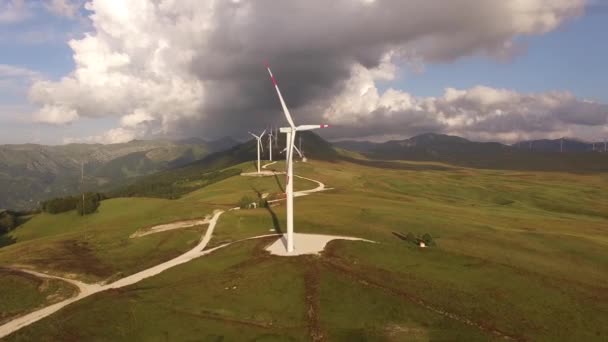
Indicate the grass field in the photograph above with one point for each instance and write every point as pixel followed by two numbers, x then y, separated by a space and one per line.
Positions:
pixel 21 293
pixel 518 254
pixel 98 247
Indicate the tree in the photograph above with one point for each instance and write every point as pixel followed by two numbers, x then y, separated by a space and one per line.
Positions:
pixel 427 238
pixel 90 206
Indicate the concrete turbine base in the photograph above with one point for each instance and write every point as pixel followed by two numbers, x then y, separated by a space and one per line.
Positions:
pixel 306 244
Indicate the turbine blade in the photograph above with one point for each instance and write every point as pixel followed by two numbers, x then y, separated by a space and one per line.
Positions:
pixel 297 150
pixel 310 127
pixel 285 110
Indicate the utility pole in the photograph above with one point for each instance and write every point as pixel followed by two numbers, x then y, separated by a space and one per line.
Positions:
pixel 530 145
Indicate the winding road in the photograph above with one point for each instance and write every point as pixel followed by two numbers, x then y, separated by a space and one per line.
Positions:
pixel 86 290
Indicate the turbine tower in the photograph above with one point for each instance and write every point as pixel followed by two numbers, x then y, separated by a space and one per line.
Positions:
pixel 270 136
pixel 291 138
pixel 260 147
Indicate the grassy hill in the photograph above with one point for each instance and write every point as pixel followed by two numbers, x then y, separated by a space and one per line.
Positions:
pixel 30 173
pixel 519 254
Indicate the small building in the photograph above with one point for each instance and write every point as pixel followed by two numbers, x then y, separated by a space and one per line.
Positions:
pixel 422 244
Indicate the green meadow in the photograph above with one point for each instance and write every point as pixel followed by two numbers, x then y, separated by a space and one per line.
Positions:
pixel 517 254
pixel 22 292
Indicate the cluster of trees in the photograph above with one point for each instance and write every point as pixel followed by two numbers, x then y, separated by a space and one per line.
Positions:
pixel 10 219
pixel 174 184
pixel 59 205
pixel 63 204
pixel 248 202
pixel 426 238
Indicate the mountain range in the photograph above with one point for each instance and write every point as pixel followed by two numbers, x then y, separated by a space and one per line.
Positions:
pixel 544 155
pixel 30 172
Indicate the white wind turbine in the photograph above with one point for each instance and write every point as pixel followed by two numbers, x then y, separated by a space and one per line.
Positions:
pixel 270 136
pixel 296 149
pixel 291 138
pixel 259 139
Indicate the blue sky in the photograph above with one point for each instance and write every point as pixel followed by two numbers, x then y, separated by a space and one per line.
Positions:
pixel 574 57
pixel 570 58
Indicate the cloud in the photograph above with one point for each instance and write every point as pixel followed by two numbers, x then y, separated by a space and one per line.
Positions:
pixel 10 71
pixel 12 11
pixel 64 8
pixel 480 112
pixel 194 67
pixel 15 81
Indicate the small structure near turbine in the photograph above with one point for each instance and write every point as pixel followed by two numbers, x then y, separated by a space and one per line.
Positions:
pixel 260 147
pixel 291 138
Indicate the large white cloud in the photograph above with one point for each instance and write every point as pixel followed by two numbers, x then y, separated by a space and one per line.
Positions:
pixel 184 67
pixel 480 112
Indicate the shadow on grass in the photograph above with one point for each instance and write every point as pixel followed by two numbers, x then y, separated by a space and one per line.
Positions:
pixel 400 236
pixel 275 220
pixel 276 178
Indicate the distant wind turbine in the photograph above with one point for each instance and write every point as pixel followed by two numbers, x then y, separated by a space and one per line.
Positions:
pixel 301 151
pixel 291 137
pixel 276 138
pixel 260 147
pixel 270 136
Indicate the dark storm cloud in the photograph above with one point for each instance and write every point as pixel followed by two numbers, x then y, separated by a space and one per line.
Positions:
pixel 196 67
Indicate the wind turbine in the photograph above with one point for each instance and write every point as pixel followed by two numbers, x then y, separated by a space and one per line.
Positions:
pixel 297 150
pixel 259 139
pixel 291 138
pixel 270 136
pixel 301 151
pixel 276 140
